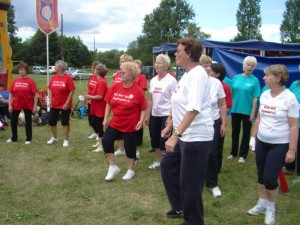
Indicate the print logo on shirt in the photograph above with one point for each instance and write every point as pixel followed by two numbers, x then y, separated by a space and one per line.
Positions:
pixel 21 84
pixel 122 97
pixel 269 109
pixel 59 83
pixel 157 90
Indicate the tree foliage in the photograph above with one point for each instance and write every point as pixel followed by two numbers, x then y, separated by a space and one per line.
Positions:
pixel 290 27
pixel 110 58
pixel 248 21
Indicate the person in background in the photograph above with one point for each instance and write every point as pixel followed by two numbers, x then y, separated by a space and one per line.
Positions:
pixel 159 104
pixel 117 79
pixel 218 71
pixel 22 96
pixel 127 102
pixel 291 167
pixel 275 136
pixel 227 81
pixel 61 90
pixel 96 98
pixel 245 89
pixel 141 81
pixel 4 101
pixel 183 167
pixel 219 113
pixel 91 85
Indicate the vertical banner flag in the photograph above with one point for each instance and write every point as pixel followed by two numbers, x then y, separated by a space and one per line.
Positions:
pixel 46 15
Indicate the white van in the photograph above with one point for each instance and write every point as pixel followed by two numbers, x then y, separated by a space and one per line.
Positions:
pixel 51 69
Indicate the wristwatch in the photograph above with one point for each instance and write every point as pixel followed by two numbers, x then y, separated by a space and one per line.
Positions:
pixel 177 134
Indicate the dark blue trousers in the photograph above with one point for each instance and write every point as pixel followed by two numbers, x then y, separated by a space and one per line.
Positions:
pixel 183 173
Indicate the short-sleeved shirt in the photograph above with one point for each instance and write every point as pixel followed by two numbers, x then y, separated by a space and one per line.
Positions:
pixel 117 78
pixel 23 91
pixel 295 89
pixel 60 87
pixel 91 84
pixel 126 105
pixel 141 81
pixel 161 92
pixel 244 89
pixel 274 113
pixel 216 93
pixel 227 81
pixel 98 105
pixel 228 98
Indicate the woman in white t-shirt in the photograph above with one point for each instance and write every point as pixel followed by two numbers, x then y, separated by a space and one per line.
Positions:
pixel 159 104
pixel 275 136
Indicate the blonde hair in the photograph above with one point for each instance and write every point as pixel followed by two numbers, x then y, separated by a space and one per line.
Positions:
pixel 166 59
pixel 278 70
pixel 131 68
pixel 126 58
pixel 250 60
pixel 205 59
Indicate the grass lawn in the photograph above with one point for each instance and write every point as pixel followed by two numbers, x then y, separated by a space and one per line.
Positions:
pixel 49 184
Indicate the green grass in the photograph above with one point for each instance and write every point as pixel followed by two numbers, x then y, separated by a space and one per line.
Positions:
pixel 49 184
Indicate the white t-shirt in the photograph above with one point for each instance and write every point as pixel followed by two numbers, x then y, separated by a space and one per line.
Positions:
pixel 161 92
pixel 274 112
pixel 216 93
pixel 193 93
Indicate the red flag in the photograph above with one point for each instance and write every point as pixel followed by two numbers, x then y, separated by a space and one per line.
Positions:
pixel 283 184
pixel 46 15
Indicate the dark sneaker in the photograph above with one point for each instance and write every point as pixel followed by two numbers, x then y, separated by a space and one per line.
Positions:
pixel 175 213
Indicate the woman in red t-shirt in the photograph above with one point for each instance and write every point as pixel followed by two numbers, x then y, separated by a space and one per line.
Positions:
pixel 22 96
pixel 127 102
pixel 61 90
pixel 96 99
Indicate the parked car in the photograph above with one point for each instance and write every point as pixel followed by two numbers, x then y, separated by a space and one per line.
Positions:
pixel 80 74
pixel 148 72
pixel 51 69
pixel 39 70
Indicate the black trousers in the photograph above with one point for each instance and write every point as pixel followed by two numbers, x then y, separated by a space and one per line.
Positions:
pixel 237 120
pixel 14 124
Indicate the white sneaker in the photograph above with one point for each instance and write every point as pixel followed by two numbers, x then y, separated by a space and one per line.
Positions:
pixel 112 172
pixel 93 135
pixel 96 145
pixel 129 175
pixel 241 160
pixel 216 192
pixel 138 154
pixel 52 140
pixel 98 149
pixel 8 140
pixel 256 210
pixel 270 216
pixel 66 143
pixel 230 157
pixel 97 138
pixel 27 142
pixel 120 152
pixel 154 165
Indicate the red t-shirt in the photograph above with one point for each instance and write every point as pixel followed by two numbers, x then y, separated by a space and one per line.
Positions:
pixel 117 78
pixel 23 91
pixel 60 87
pixel 228 98
pixel 141 81
pixel 98 106
pixel 91 84
pixel 126 105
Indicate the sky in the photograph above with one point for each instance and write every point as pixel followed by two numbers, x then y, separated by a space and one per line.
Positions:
pixel 113 24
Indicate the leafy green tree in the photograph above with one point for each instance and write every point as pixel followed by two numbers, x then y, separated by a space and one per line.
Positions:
pixel 110 58
pixel 290 27
pixel 194 31
pixel 248 21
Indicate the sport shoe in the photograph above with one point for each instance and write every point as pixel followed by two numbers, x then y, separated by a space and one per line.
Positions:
pixel 112 172
pixel 270 216
pixel 230 157
pixel 27 142
pixel 138 154
pixel 120 152
pixel 94 135
pixel 216 192
pixel 129 175
pixel 66 143
pixel 241 160
pixel 175 213
pixel 96 145
pixel 9 140
pixel 256 210
pixel 154 165
pixel 98 149
pixel 52 140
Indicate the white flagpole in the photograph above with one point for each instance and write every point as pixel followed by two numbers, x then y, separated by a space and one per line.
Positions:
pixel 47 49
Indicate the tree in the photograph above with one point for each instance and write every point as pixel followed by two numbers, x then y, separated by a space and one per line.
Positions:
pixel 290 27
pixel 194 31
pixel 167 23
pixel 110 58
pixel 248 21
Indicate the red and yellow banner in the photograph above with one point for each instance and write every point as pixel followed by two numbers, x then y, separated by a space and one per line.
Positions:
pixel 46 15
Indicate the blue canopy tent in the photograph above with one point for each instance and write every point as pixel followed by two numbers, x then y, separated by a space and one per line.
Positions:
pixel 224 52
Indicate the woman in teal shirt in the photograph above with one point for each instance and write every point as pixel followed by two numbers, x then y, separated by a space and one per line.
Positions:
pixel 245 89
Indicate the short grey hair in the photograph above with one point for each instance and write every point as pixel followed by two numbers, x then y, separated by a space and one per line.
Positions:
pixel 250 59
pixel 61 64
pixel 166 59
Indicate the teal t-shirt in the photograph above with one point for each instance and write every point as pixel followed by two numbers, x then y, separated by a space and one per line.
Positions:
pixel 244 89
pixel 295 88
pixel 227 81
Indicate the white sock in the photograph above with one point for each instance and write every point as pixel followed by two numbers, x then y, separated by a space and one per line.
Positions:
pixel 263 202
pixel 270 204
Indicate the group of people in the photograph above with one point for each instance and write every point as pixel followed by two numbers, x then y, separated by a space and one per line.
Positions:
pixel 187 120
